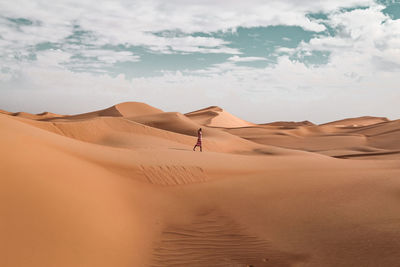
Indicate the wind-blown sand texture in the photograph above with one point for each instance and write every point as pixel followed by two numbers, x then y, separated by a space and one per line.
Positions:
pixel 122 187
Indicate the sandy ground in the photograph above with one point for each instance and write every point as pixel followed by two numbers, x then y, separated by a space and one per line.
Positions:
pixel 122 187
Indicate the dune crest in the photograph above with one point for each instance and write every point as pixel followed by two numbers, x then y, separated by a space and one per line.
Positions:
pixel 38 116
pixel 130 109
pixel 356 122
pixel 217 117
pixel 5 112
pixel 289 123
pixel 126 109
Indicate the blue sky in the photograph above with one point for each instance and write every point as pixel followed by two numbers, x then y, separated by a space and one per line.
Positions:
pixel 260 60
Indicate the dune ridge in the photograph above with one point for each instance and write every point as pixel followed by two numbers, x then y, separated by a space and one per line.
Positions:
pixel 290 123
pixel 360 121
pixel 217 117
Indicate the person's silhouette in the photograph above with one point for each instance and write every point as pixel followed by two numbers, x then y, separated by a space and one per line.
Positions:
pixel 199 140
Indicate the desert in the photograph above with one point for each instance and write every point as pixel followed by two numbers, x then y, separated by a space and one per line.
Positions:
pixel 122 187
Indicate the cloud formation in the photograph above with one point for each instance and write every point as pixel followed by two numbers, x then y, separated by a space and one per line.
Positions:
pixel 70 50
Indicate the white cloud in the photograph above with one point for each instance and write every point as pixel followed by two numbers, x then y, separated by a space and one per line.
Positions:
pixel 189 44
pixel 132 23
pixel 367 41
pixel 361 77
pixel 108 56
pixel 246 59
pixel 129 22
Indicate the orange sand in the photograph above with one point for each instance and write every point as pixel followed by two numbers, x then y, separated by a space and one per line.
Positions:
pixel 122 187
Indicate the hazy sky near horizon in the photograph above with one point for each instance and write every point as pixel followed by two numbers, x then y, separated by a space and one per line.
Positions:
pixel 260 60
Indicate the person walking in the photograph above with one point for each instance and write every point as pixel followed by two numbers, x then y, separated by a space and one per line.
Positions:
pixel 199 140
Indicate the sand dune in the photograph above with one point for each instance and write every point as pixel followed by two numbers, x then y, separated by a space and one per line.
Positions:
pixel 170 121
pixel 216 140
pixel 162 130
pixel 334 139
pixel 301 139
pixel 361 121
pixel 39 116
pixel 126 109
pixel 122 187
pixel 217 117
pixel 290 123
pixel 5 112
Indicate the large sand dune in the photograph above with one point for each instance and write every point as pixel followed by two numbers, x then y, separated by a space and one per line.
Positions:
pixel 217 117
pixel 122 187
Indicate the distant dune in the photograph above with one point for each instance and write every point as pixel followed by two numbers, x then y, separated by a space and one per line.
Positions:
pixel 361 121
pixel 127 109
pixel 39 116
pixel 217 117
pixel 290 123
pixel 122 187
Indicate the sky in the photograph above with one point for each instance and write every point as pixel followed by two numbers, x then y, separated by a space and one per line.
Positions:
pixel 261 60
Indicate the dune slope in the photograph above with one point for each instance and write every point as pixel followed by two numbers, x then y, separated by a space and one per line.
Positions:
pixel 217 117
pixel 126 109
